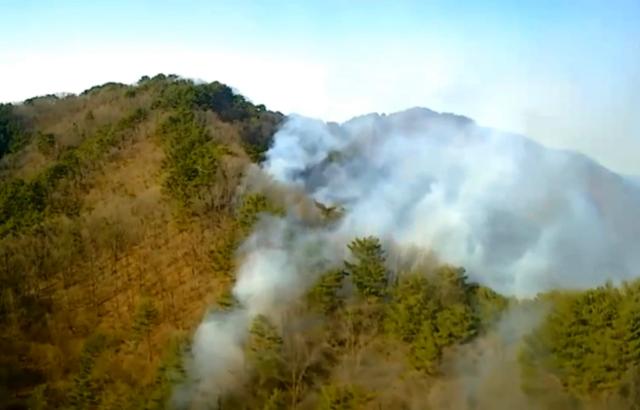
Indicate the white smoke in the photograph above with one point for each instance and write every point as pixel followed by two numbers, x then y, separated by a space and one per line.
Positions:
pixel 278 262
pixel 519 217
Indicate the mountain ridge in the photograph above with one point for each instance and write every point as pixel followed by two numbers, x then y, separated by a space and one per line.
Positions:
pixel 127 211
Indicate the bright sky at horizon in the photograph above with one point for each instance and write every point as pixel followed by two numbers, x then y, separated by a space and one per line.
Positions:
pixel 566 73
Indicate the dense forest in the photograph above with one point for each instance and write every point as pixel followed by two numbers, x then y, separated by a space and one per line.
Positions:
pixel 121 210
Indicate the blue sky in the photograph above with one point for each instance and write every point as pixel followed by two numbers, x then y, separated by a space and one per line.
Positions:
pixel 567 73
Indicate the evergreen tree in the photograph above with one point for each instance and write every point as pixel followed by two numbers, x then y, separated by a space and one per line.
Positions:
pixel 487 304
pixel 170 373
pixel 580 343
pixel 252 206
pixel 368 271
pixel 86 391
pixel 324 294
pixel 264 351
pixel 413 303
pixel 424 350
pixel 11 130
pixel 145 319
pixel 454 323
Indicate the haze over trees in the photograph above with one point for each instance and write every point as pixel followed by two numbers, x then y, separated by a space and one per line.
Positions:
pixel 120 218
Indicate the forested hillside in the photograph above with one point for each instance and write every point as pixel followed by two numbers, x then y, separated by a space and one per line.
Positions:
pixel 118 221
pixel 121 211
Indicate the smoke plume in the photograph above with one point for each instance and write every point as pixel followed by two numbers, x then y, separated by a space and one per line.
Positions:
pixel 519 217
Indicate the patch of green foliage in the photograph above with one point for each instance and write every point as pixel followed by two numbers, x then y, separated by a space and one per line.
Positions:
pixel 178 94
pixel 25 203
pixel 264 351
pixel 368 271
pixel 431 313
pixel 21 205
pixel 45 143
pixel 253 205
pixel 324 295
pixel 349 397
pixel 257 124
pixel 13 135
pixel 110 86
pixel 86 390
pixel 590 341
pixel 192 159
pixel 170 373
pixel 52 98
pixel 144 320
pixel 96 146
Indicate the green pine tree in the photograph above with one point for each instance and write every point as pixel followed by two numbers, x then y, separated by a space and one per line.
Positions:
pixel 368 271
pixel 143 322
pixel 324 295
pixel 264 351
pixel 252 206
pixel 86 390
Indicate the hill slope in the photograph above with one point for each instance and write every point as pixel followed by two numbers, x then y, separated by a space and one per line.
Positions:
pixel 129 213
pixel 114 205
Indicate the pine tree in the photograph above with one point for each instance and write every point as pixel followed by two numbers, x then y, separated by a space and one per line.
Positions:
pixel 144 321
pixel 85 393
pixel 452 284
pixel 170 372
pixel 487 305
pixel 252 206
pixel 264 350
pixel 454 323
pixel 580 342
pixel 324 295
pixel 223 253
pixel 413 303
pixel 425 352
pixel 368 271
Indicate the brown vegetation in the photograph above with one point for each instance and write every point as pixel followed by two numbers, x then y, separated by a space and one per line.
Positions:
pixel 103 282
